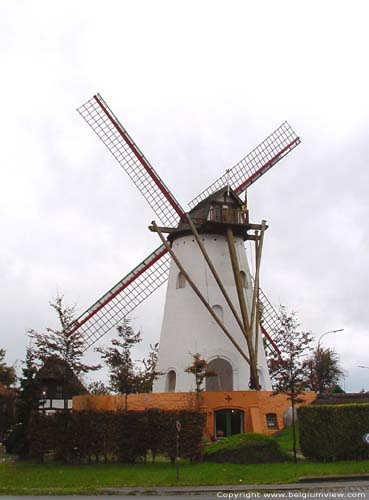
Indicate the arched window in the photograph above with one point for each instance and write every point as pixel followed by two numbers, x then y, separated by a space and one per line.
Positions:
pixel 244 279
pixel 223 378
pixel 170 383
pixel 181 280
pixel 218 311
pixel 271 419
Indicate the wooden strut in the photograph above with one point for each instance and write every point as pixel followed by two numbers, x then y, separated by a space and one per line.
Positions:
pixel 215 274
pixel 197 291
pixel 255 298
pixel 243 307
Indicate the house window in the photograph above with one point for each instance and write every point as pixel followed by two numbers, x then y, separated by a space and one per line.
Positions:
pixel 271 419
pixel 59 392
pixel 181 280
pixel 170 384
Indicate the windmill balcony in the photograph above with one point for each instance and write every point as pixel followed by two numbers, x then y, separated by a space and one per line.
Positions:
pixel 227 215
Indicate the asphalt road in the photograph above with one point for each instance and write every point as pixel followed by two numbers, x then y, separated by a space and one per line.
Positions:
pixel 319 493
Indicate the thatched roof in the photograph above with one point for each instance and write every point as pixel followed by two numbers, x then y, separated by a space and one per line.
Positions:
pixel 56 370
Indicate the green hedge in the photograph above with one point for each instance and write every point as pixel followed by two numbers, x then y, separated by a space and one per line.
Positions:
pixel 248 448
pixel 330 432
pixel 79 437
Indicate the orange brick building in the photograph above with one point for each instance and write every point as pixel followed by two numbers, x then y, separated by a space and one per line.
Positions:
pixel 227 412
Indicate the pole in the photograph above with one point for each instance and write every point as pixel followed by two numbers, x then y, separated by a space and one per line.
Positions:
pixel 326 333
pixel 197 291
pixel 178 431
pixel 259 249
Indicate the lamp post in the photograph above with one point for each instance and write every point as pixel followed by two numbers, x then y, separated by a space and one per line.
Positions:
pixel 326 333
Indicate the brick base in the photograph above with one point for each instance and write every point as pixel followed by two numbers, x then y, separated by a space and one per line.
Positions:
pixel 255 405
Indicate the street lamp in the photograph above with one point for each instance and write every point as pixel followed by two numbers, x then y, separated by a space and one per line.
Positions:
pixel 326 333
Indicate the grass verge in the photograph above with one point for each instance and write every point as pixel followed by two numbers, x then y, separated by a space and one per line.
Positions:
pixel 28 478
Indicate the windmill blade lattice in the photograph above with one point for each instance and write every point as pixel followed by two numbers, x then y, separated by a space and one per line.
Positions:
pixel 255 164
pixel 107 127
pixel 125 296
pixel 270 322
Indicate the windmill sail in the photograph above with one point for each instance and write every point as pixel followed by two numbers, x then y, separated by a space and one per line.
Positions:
pixel 107 127
pixel 125 296
pixel 255 164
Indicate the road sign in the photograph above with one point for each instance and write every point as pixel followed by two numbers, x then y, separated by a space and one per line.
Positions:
pixel 366 438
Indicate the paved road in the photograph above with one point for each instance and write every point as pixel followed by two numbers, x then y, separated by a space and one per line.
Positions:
pixel 320 492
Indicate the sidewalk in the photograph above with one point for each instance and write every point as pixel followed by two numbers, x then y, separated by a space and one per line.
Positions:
pixel 353 483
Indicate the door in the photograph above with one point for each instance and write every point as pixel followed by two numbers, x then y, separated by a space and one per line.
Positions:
pixel 228 422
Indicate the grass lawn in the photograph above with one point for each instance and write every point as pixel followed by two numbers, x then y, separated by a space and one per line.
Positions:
pixel 22 477
pixel 28 478
pixel 285 439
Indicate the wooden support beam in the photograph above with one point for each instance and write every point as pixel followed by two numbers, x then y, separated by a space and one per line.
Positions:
pixel 255 297
pixel 162 229
pixel 243 307
pixel 198 292
pixel 215 274
pixel 257 227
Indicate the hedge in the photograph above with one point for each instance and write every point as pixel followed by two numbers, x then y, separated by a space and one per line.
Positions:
pixel 80 437
pixel 330 433
pixel 248 448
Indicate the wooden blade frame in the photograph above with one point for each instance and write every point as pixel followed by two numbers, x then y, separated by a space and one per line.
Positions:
pixel 275 147
pixel 111 132
pixel 125 296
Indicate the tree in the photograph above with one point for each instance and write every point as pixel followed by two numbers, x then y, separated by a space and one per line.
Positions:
pixel 200 370
pixel 323 370
pixel 97 387
pixel 27 403
pixel 126 376
pixel 148 371
pixel 288 370
pixel 58 343
pixel 8 376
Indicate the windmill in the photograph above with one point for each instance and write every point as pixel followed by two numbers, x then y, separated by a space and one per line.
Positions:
pixel 225 327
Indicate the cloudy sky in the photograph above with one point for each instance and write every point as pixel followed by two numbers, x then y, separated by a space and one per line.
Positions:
pixel 197 84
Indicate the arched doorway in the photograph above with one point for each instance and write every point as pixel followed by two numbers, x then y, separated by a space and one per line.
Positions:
pixel 228 422
pixel 223 380
pixel 170 383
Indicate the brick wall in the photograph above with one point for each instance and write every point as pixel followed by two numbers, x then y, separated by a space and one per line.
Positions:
pixel 255 404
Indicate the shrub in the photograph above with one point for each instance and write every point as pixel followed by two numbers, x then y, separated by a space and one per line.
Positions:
pixel 248 448
pixel 334 432
pixel 77 436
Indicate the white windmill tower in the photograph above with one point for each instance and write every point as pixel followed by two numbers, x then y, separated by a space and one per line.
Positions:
pixel 212 304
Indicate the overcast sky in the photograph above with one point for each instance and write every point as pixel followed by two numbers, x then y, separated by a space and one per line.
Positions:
pixel 197 84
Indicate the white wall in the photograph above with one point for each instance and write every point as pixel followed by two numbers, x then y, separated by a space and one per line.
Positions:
pixel 189 328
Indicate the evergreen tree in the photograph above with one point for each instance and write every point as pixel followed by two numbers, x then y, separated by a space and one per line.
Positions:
pixel 27 403
pixel 8 376
pixel 324 371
